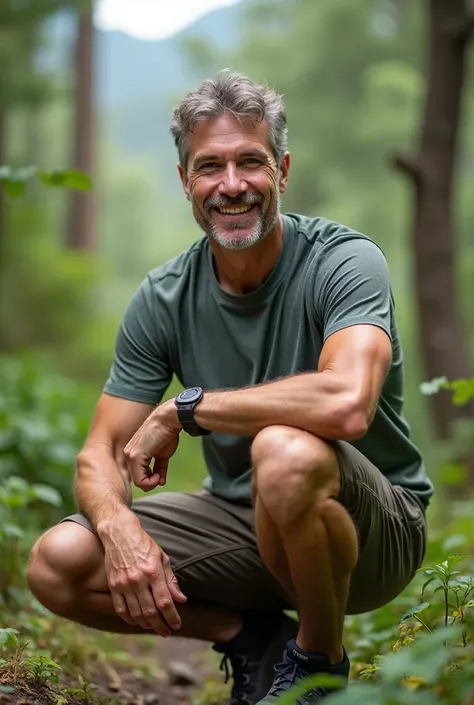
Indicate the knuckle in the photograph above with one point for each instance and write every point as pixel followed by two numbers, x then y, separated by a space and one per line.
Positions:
pixel 150 571
pixel 149 612
pixel 164 604
pixel 134 578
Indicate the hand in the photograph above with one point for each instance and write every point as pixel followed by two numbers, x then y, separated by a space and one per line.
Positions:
pixel 157 438
pixel 143 586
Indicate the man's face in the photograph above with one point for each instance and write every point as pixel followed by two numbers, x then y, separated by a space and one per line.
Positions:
pixel 233 181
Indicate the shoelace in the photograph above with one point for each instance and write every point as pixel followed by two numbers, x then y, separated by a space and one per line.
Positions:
pixel 239 665
pixel 288 675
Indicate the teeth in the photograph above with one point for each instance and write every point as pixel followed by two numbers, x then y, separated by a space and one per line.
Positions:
pixel 235 211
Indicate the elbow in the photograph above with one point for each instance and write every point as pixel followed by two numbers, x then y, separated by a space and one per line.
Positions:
pixel 355 425
pixel 353 421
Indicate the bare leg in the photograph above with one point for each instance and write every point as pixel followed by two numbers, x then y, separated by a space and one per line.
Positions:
pixel 271 549
pixel 297 483
pixel 66 574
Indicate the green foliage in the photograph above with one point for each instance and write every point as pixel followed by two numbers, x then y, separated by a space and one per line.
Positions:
pixel 14 181
pixel 42 670
pixel 43 421
pixel 84 693
pixel 18 503
pixel 8 638
pixel 462 389
pixel 429 659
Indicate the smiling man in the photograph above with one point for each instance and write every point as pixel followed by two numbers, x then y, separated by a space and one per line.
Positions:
pixel 281 328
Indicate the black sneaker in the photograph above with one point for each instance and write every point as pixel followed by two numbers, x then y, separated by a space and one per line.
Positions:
pixel 298 665
pixel 243 656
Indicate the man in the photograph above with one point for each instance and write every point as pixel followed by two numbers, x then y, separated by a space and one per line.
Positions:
pixel 316 496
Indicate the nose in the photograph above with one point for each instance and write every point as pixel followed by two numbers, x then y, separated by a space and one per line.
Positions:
pixel 231 183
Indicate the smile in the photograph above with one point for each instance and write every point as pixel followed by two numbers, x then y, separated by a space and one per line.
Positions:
pixel 234 211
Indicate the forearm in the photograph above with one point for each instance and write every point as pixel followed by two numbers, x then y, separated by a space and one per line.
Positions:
pixel 316 402
pixel 101 489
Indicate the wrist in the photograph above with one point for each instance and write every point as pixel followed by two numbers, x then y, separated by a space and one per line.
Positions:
pixel 122 520
pixel 168 415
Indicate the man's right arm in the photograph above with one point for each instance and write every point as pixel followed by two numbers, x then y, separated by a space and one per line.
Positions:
pixel 143 587
pixel 102 482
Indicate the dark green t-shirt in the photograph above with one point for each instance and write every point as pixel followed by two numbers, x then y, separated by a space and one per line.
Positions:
pixel 327 277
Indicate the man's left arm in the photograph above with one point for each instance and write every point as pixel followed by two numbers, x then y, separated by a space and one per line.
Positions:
pixel 337 400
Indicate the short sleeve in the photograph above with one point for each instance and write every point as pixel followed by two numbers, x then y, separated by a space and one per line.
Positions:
pixel 352 286
pixel 141 370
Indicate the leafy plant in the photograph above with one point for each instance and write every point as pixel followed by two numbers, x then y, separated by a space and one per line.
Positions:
pixel 43 421
pixel 42 670
pixel 16 497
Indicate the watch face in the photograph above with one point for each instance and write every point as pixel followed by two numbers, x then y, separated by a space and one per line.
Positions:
pixel 189 396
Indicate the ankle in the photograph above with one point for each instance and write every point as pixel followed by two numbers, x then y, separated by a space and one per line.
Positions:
pixel 335 655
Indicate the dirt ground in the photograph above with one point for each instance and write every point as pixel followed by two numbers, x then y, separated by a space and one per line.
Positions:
pixel 187 673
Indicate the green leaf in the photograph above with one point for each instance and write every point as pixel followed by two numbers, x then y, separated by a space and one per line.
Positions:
pixel 433 387
pixel 47 494
pixel 9 637
pixel 321 680
pixel 67 178
pixel 12 531
pixel 360 694
pixel 428 582
pixel 414 611
pixel 14 188
pixel 463 391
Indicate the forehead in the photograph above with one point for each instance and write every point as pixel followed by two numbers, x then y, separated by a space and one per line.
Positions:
pixel 226 135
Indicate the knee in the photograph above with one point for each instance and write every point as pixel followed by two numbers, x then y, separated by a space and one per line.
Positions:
pixel 293 470
pixel 60 563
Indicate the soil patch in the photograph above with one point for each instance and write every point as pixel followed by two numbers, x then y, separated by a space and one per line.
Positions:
pixel 186 670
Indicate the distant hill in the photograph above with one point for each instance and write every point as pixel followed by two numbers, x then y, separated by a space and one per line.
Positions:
pixel 129 68
pixel 138 81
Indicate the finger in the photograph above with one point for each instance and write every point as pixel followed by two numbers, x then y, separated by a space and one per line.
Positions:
pixel 164 602
pixel 121 609
pixel 139 468
pixel 150 612
pixel 172 580
pixel 161 467
pixel 135 611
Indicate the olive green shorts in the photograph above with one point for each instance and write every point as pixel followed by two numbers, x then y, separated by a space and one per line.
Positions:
pixel 213 550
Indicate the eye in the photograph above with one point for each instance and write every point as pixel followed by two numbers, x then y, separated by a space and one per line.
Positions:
pixel 252 161
pixel 208 165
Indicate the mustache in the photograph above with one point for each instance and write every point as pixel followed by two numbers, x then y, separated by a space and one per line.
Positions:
pixel 246 199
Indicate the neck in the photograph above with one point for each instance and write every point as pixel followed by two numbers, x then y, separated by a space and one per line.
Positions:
pixel 242 271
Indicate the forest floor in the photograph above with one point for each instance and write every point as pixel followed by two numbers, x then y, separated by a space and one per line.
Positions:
pixel 168 672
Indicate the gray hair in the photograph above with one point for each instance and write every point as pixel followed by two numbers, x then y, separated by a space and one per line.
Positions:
pixel 231 94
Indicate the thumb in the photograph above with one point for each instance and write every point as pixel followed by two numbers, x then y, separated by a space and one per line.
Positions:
pixel 161 468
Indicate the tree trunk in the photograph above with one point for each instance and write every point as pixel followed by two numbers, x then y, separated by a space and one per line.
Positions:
pixel 80 232
pixel 443 342
pixel 2 196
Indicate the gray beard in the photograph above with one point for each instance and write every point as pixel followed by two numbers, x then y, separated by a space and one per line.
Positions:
pixel 265 224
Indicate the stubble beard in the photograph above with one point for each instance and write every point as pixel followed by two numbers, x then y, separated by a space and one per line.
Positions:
pixel 265 223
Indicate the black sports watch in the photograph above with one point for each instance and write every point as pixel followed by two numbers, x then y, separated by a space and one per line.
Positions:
pixel 185 403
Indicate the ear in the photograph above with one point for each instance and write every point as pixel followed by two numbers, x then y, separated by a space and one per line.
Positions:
pixel 184 182
pixel 284 169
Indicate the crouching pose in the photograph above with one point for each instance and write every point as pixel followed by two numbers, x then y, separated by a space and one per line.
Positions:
pixel 281 329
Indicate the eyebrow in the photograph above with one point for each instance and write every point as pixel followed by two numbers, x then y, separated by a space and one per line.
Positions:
pixel 201 158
